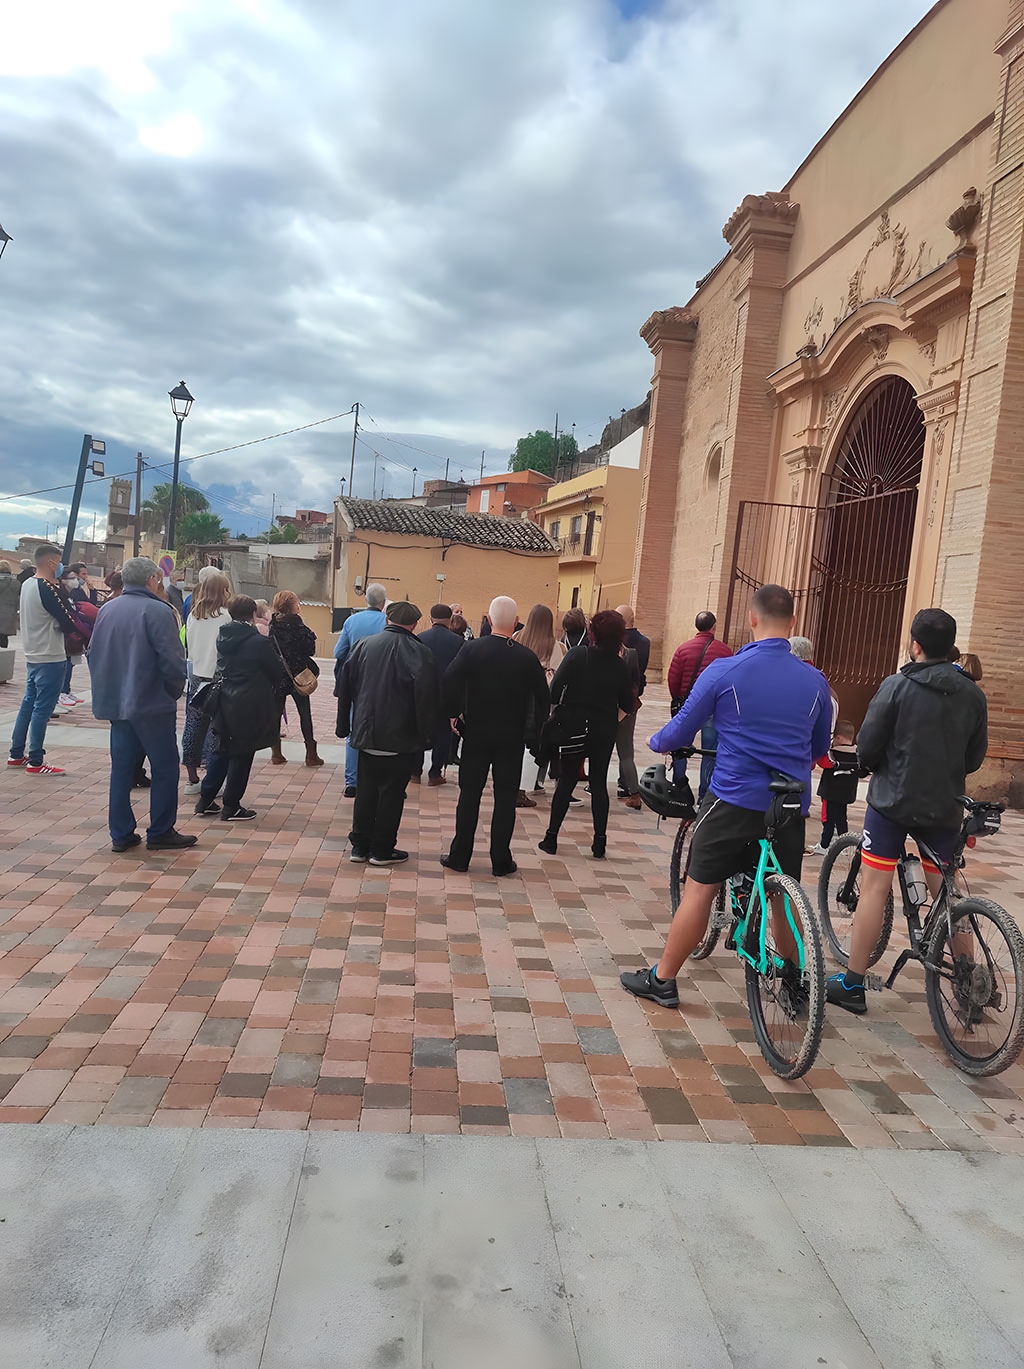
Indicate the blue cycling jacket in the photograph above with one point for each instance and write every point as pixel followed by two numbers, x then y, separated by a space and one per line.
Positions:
pixel 773 713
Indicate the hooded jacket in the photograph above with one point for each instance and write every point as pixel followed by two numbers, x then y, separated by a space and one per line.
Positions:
pixel 389 694
pixel 253 685
pixel 925 731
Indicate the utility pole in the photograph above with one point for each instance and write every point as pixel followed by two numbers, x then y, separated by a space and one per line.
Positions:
pixel 352 463
pixel 375 459
pixel 137 528
pixel 414 469
pixel 554 468
pixel 446 460
pixel 92 537
pixel 482 455
pixel 273 510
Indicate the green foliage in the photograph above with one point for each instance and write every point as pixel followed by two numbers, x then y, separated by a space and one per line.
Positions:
pixel 536 452
pixel 200 528
pixel 289 533
pixel 156 509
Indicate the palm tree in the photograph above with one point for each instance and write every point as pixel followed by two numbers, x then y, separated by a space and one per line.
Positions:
pixel 200 529
pixel 157 508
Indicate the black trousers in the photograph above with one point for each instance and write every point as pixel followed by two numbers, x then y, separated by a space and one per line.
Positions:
pixel 599 754
pixel 505 763
pixel 380 798
pixel 230 771
pixel 834 822
pixel 305 717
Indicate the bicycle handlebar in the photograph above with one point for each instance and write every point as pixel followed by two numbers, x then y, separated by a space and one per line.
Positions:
pixel 695 751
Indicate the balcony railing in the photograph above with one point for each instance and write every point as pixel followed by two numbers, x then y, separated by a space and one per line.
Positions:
pixel 576 548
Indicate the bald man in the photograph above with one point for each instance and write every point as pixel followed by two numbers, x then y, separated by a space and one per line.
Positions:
pixel 492 685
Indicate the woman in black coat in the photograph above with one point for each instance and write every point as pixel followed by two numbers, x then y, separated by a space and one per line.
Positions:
pixel 591 691
pixel 296 643
pixel 253 683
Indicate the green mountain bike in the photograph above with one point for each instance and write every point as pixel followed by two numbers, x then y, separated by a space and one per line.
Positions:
pixel 770 924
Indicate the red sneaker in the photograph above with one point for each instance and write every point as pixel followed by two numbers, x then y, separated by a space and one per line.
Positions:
pixel 17 760
pixel 44 770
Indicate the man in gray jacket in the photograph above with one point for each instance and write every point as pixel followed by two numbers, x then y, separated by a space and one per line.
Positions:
pixel 137 664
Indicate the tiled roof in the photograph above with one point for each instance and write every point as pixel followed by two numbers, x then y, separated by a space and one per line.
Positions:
pixel 472 529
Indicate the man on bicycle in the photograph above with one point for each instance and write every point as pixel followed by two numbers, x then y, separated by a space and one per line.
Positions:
pixel 925 730
pixel 773 715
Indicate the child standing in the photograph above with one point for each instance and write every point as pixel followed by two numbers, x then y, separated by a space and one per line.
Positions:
pixel 837 787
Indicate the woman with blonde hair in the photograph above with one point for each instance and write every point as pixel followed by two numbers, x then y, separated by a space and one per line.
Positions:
pixel 539 636
pixel 296 644
pixel 207 614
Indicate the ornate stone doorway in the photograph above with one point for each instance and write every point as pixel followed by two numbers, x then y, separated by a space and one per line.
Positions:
pixel 848 557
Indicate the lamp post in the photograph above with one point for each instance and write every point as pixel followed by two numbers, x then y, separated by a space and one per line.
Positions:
pixel 181 403
pixel 414 482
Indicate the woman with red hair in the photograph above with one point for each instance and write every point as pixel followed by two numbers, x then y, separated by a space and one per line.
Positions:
pixel 296 643
pixel 591 692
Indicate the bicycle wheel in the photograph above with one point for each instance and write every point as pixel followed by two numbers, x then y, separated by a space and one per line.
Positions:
pixel 676 880
pixel 836 911
pixel 975 986
pixel 787 1009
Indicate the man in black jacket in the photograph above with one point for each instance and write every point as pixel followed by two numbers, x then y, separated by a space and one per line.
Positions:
pixel 492 683
pixel 446 645
pixel 388 704
pixel 925 730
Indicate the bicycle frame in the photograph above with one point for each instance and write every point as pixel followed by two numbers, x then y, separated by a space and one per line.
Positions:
pixel 767 864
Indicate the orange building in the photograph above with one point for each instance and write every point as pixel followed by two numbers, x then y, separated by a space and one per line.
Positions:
pixel 840 406
pixel 510 494
pixel 434 556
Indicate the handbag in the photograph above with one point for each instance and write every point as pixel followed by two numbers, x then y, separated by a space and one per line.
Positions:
pixel 304 681
pixel 207 697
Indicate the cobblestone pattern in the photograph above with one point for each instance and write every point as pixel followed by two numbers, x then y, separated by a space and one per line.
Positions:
pixel 262 980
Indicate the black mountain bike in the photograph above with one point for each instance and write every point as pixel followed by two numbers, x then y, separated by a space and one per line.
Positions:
pixel 972 951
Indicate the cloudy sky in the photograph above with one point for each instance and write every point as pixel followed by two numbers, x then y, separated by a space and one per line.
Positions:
pixel 458 212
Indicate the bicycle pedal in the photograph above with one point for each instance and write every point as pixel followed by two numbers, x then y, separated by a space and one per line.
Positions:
pixel 875 982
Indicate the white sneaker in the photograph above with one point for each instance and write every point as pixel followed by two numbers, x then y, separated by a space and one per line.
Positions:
pixel 191 788
pixel 819 850
pixel 67 700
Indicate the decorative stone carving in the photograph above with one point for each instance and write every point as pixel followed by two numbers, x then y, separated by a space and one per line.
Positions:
pixel 940 435
pixel 773 204
pixel 809 349
pixel 928 352
pixel 886 267
pixel 877 339
pixel 964 220
pixel 669 325
pixel 833 403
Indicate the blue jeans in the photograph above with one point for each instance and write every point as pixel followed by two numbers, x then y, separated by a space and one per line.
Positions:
pixel 66 686
pixel 43 684
pixel 351 766
pixel 708 742
pixel 129 742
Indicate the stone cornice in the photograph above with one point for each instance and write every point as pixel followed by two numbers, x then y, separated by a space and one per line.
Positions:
pixel 669 325
pixel 941 292
pixel 802 459
pixel 934 403
pixel 761 221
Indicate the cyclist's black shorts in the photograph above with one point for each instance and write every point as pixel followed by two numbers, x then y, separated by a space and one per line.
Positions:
pixel 725 842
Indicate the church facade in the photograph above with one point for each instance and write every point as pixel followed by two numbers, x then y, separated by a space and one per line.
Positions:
pixel 840 405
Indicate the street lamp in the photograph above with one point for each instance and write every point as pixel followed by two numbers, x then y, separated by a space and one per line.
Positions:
pixel 181 403
pixel 91 446
pixel 5 238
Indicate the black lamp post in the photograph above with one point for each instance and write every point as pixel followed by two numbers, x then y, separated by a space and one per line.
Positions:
pixel 181 402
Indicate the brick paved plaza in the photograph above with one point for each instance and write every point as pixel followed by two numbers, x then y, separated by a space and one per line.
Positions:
pixel 261 980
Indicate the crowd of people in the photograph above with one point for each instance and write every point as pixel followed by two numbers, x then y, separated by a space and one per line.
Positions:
pixel 517 703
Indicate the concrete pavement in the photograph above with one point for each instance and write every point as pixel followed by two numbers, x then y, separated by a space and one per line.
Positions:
pixel 298 1250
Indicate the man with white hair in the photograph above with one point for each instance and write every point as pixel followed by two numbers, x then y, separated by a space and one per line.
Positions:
pixel 492 685
pixel 367 622
pixel 137 664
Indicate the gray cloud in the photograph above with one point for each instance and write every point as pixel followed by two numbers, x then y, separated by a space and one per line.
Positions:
pixel 458 213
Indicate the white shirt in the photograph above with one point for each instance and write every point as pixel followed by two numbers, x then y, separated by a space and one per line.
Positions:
pixel 201 641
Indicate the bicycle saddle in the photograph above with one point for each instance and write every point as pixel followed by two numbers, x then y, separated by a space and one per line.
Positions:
pixel 784 784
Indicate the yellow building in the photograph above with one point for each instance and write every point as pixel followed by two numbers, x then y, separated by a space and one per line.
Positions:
pixel 593 518
pixel 434 556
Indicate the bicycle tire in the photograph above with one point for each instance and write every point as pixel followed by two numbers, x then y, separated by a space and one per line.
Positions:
pixel 939 1004
pixel 838 940
pixel 676 880
pixel 805 1051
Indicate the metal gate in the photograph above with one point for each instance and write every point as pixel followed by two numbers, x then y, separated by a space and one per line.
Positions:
pixel 847 564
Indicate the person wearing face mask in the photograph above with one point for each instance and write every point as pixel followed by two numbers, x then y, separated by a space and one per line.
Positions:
pixel 81 598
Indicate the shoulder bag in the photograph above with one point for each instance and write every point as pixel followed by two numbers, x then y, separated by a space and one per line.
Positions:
pixel 676 704
pixel 304 681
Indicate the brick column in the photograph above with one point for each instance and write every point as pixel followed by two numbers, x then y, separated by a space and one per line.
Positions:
pixel 978 575
pixel 670 335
